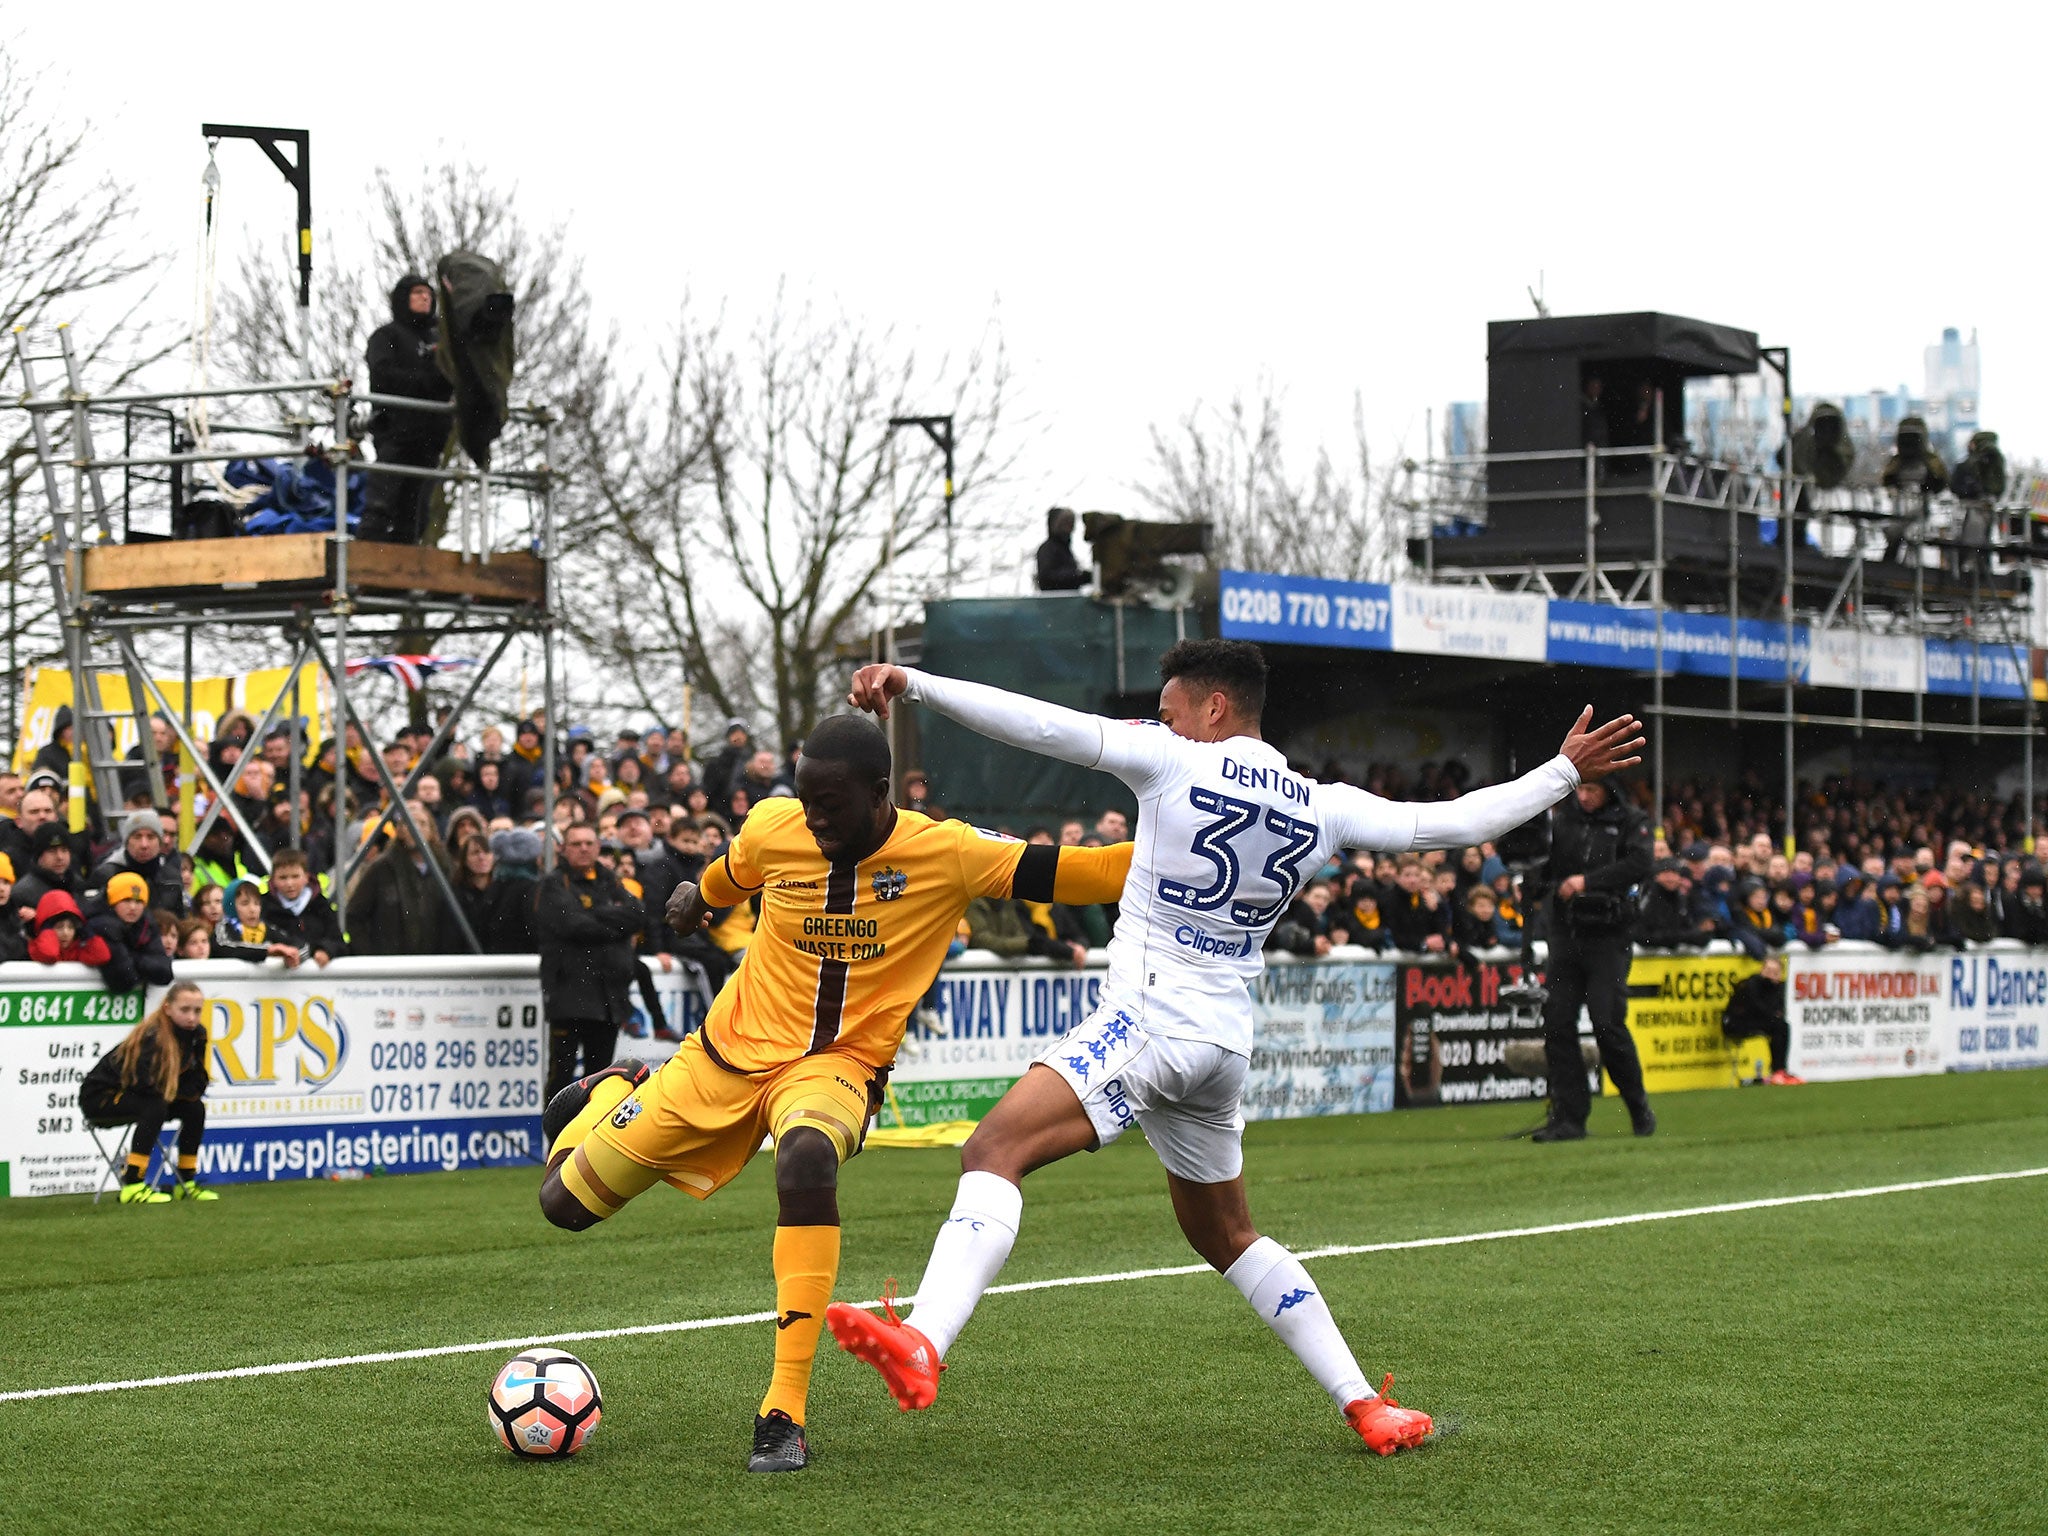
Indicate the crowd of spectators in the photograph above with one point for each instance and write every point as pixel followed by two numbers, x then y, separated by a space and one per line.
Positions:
pixel 1909 869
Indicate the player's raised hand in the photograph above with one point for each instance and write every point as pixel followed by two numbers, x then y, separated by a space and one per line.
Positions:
pixel 686 911
pixel 1597 752
pixel 874 686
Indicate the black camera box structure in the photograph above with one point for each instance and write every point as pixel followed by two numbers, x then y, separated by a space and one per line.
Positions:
pixel 1555 383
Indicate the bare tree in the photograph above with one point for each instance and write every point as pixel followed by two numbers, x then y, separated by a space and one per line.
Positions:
pixel 751 498
pixel 67 252
pixel 1229 468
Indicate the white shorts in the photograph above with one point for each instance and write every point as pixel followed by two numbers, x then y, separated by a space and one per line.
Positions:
pixel 1184 1094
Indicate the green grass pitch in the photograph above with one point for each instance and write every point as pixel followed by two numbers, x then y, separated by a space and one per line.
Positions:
pixel 1861 1365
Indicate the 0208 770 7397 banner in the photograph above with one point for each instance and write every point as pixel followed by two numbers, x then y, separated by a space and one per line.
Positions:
pixel 397 1065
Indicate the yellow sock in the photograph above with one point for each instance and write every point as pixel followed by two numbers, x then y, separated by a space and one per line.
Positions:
pixel 188 1167
pixel 604 1098
pixel 806 1265
pixel 138 1163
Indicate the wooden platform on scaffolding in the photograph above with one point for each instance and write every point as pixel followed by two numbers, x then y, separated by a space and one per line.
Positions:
pixel 302 567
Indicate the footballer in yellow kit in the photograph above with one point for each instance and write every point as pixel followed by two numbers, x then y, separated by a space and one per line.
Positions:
pixel 858 903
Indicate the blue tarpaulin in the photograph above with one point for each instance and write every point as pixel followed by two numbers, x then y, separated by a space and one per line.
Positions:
pixel 299 495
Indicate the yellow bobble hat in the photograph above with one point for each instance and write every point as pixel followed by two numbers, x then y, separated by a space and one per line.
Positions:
pixel 127 886
pixel 6 869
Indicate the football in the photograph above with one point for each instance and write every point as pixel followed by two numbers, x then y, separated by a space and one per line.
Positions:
pixel 544 1403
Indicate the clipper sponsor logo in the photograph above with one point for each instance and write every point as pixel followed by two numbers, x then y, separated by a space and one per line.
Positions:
pixel 1113 1099
pixel 1208 944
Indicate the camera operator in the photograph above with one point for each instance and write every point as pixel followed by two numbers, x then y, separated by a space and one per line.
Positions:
pixel 1600 850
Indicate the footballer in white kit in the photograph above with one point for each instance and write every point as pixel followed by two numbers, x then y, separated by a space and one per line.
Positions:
pixel 1227 834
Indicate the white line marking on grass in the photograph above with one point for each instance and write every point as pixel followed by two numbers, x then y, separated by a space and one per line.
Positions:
pixel 738 1319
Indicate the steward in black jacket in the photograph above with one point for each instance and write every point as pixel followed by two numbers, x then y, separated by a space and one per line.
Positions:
pixel 1600 849
pixel 587 922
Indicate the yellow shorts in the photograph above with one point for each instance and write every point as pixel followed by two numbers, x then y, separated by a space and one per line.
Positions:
pixel 696 1124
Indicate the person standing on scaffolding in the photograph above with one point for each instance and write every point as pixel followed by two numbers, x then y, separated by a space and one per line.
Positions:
pixel 401 357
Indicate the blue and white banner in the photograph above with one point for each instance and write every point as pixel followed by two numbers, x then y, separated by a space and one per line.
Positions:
pixel 1469 621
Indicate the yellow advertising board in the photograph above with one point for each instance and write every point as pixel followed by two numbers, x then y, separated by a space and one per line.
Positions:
pixel 1675 1003
pixel 213 698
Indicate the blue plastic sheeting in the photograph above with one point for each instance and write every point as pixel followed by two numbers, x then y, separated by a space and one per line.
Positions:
pixel 298 495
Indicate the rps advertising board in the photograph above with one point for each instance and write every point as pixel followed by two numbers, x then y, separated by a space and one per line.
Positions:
pixel 1457 1042
pixel 387 1066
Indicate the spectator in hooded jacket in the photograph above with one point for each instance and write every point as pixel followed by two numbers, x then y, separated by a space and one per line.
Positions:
pixel 2027 914
pixel 1753 927
pixel 61 936
pixel 135 945
pixel 1857 914
pixel 401 358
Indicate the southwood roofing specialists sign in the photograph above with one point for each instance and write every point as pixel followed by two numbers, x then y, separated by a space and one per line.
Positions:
pixel 1869 1013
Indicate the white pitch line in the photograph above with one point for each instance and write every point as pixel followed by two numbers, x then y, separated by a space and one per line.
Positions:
pixel 738 1319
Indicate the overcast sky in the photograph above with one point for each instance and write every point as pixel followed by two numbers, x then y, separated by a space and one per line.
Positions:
pixel 1166 204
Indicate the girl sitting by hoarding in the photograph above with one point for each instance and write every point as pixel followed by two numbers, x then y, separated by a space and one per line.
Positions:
pixel 157 1073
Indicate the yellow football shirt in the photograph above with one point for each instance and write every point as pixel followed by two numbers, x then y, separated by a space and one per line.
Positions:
pixel 842 952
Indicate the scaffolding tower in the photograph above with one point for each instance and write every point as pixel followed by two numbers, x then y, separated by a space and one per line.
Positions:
pixel 327 592
pixel 1856 567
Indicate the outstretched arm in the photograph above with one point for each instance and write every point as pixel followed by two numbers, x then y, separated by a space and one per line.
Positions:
pixel 1122 747
pixel 1385 826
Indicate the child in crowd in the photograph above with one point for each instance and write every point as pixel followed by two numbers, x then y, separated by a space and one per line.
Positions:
pixel 135 949
pixel 295 913
pixel 61 936
pixel 210 902
pixel 243 923
pixel 1472 923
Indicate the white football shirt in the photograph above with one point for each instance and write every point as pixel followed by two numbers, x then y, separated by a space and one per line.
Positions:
pixel 1227 834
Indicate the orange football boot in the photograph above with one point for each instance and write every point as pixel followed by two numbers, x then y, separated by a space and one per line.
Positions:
pixel 904 1356
pixel 1384 1425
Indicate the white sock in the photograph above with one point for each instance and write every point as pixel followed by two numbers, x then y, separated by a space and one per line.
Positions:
pixel 968 1255
pixel 1280 1291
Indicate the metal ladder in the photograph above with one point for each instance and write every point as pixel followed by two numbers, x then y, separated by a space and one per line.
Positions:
pixel 78 522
